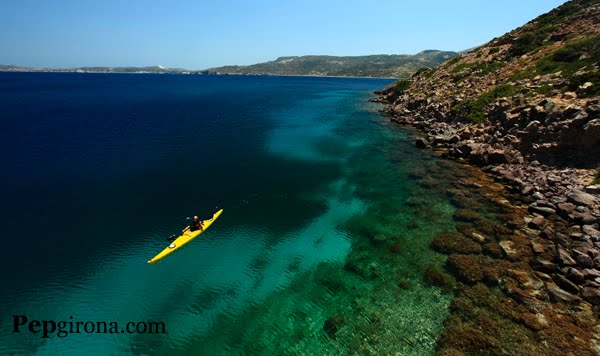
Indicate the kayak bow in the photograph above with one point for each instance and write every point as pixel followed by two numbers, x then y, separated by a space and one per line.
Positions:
pixel 186 237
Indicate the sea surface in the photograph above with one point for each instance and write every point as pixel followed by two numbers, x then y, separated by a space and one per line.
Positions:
pixel 321 248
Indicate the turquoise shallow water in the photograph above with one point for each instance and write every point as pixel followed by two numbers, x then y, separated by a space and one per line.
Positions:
pixel 321 216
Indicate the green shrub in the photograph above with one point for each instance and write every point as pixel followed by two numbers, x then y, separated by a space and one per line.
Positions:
pixel 528 72
pixel 462 66
pixel 566 54
pixel 562 12
pixel 578 80
pixel 544 89
pixel 473 111
pixel 573 60
pixel 572 57
pixel 454 60
pixel 576 61
pixel 425 71
pixel 481 68
pixel 401 85
pixel 547 24
pixel 597 180
pixel 488 67
pixel 494 50
pixel 527 43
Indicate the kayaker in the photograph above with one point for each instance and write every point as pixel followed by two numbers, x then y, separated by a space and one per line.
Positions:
pixel 196 224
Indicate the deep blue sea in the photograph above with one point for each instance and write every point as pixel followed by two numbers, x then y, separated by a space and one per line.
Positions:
pixel 99 169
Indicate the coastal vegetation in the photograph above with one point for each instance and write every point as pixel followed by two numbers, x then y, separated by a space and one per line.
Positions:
pixel 473 110
pixel 425 71
pixel 530 41
pixel 401 85
pixel 576 61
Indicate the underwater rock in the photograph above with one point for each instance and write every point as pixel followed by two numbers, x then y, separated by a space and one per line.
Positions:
pixel 450 352
pixel 451 242
pixel 377 239
pixel 404 283
pixel 428 183
pixel 416 201
pixel 466 215
pixel 417 173
pixel 396 247
pixel 333 324
pixel 465 267
pixel 493 250
pixel 464 228
pixel 421 143
pixel 437 277
pixel 373 270
pixel 477 237
pixel 463 201
pixel 467 339
pixel 509 248
pixel 493 270
pixel 462 306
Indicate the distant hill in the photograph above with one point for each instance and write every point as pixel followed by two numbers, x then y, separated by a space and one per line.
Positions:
pixel 385 66
pixel 152 69
pixel 382 66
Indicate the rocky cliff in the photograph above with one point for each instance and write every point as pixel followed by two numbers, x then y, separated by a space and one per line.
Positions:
pixel 526 108
pixel 535 90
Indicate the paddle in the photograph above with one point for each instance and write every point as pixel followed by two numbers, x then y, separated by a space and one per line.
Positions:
pixel 174 236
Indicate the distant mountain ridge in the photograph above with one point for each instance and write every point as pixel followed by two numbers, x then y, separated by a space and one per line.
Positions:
pixel 381 65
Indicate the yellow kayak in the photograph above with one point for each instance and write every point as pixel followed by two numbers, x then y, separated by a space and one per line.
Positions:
pixel 186 237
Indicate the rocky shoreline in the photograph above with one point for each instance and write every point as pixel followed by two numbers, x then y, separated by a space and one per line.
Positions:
pixel 564 225
pixel 555 230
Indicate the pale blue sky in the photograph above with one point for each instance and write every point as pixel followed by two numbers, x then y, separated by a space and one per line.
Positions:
pixel 202 34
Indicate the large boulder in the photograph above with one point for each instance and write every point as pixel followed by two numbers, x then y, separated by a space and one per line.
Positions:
pixel 448 242
pixel 591 231
pixel 581 198
pixel 593 189
pixel 497 157
pixel 580 119
pixel 559 295
pixel 591 294
pixel 421 143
